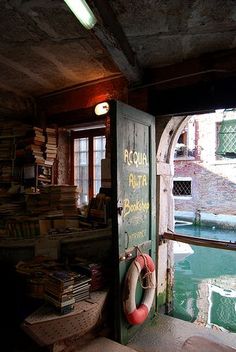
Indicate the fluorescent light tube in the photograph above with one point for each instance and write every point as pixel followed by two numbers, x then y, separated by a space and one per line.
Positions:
pixel 82 11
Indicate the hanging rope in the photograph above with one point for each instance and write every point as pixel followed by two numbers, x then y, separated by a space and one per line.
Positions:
pixel 147 276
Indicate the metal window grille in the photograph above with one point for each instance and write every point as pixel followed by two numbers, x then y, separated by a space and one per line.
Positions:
pixel 182 188
pixel 227 139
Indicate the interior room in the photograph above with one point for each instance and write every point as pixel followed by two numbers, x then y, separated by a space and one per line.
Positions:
pixel 94 96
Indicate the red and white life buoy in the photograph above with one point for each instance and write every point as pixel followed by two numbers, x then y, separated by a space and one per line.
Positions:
pixel 137 315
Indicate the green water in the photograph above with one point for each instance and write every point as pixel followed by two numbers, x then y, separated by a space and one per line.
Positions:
pixel 205 282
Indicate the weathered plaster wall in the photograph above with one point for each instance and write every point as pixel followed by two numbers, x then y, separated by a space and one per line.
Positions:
pixel 167 132
pixel 63 157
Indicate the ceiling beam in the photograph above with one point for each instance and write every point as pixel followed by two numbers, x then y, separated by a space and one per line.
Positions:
pixel 83 96
pixel 200 97
pixel 110 33
pixel 75 118
pixel 219 64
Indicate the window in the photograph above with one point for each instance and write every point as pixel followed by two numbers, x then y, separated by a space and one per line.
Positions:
pixel 98 155
pixel 182 187
pixel 88 151
pixel 185 147
pixel 226 139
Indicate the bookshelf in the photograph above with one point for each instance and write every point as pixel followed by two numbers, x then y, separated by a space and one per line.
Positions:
pixel 35 154
pixel 36 175
pixel 7 159
pixel 27 156
pixel 11 201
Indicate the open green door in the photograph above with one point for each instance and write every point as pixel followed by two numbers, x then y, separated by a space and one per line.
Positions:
pixel 134 199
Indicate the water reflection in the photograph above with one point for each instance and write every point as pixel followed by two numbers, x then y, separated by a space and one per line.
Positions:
pixel 205 282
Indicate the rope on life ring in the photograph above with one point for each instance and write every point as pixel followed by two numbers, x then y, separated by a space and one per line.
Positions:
pixel 137 315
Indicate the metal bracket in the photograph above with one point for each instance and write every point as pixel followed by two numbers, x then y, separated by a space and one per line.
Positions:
pixel 131 253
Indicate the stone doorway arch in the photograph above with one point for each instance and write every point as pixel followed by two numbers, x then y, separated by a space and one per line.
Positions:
pixel 168 130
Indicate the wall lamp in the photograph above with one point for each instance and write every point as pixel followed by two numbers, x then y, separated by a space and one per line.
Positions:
pixel 102 108
pixel 83 12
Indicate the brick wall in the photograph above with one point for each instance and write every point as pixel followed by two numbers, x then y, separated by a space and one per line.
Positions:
pixel 213 187
pixel 213 181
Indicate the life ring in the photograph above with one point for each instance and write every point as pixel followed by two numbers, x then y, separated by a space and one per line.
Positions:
pixel 137 315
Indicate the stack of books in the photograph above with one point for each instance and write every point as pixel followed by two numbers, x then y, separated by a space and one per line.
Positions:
pixel 95 271
pixel 81 288
pixel 64 288
pixel 62 198
pixel 23 227
pixel 11 205
pixel 59 290
pixel 98 277
pixel 34 152
pixel 30 147
pixel 5 172
pixel 6 129
pixel 36 204
pixel 50 146
pixel 12 128
pixel 6 148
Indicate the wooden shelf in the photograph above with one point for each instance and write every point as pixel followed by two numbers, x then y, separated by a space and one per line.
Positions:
pixel 8 136
pixel 38 173
pixel 44 179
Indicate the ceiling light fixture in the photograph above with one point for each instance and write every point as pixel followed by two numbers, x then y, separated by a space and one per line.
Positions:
pixel 82 11
pixel 102 108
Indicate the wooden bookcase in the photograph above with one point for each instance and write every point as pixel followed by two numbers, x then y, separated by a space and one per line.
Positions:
pixel 7 159
pixel 36 175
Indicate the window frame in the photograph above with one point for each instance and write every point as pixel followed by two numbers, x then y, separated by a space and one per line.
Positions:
pixel 90 134
pixel 217 140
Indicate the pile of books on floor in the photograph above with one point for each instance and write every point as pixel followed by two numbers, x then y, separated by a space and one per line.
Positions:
pixel 64 288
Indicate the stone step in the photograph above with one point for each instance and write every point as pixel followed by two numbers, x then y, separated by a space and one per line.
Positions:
pixel 103 344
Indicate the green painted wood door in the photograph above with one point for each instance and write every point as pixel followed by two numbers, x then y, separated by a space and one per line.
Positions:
pixel 134 198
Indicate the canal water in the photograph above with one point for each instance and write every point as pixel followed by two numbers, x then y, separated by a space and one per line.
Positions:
pixel 205 282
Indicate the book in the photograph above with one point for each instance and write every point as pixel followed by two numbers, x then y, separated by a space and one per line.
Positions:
pixel 58 303
pixel 61 278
